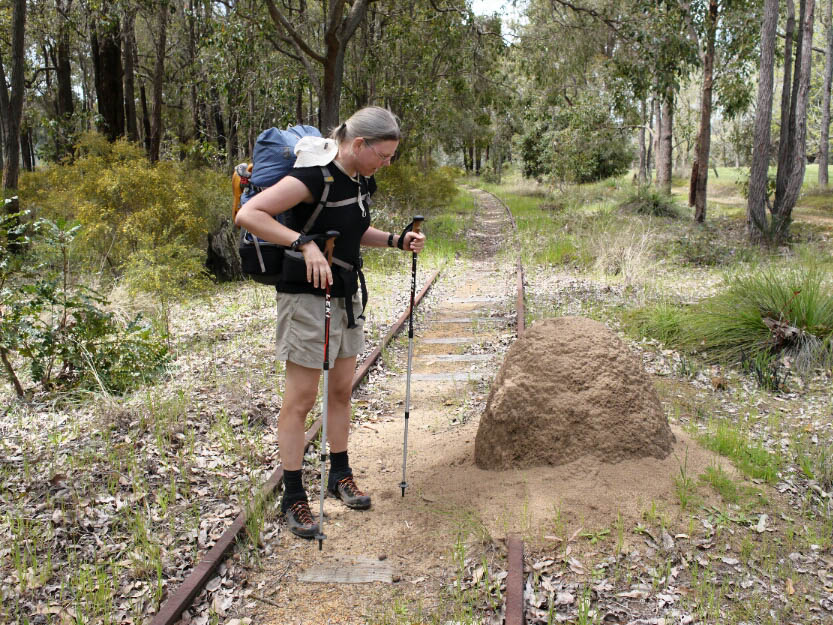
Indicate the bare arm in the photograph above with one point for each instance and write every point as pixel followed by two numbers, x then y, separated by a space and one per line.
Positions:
pixel 257 216
pixel 373 237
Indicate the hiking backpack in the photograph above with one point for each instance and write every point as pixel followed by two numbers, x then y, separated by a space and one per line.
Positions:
pixel 273 158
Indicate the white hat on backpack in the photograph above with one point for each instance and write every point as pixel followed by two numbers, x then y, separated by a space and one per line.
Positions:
pixel 315 151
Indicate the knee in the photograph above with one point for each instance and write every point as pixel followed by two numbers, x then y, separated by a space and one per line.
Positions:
pixel 341 396
pixel 298 409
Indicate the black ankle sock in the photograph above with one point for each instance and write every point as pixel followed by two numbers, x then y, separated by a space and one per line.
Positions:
pixel 339 464
pixel 293 488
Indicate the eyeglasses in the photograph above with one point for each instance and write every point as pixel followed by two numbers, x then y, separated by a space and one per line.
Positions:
pixel 381 157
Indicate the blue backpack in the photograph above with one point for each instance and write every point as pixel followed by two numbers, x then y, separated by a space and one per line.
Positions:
pixel 274 157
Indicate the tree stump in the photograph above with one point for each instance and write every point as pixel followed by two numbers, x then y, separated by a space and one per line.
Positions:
pixel 222 258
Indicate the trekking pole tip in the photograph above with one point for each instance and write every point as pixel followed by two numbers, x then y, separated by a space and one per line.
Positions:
pixel 403 486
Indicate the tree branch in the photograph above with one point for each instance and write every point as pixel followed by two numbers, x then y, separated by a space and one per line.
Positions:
pixel 281 22
pixel 615 25
pixel 814 49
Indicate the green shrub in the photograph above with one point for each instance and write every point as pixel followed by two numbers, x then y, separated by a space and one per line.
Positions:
pixel 124 203
pixel 576 143
pixel 650 201
pixel 405 188
pixel 60 330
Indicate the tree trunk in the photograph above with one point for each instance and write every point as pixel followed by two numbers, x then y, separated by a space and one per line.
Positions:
pixel 824 140
pixel 158 81
pixel 653 140
pixel 193 37
pixel 14 112
pixel 26 149
pixel 704 136
pixel 642 176
pixel 756 215
pixel 143 100
pixel 129 42
pixel 232 138
pixel 4 111
pixel 664 153
pixel 784 204
pixel 64 104
pixel 253 131
pixel 217 115
pixel 222 259
pixel 106 51
pixel 784 139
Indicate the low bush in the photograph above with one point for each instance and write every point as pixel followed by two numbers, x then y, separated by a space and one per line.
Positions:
pixel 650 201
pixel 59 331
pixel 406 188
pixel 124 203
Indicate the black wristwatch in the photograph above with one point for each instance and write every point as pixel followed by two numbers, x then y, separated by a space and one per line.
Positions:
pixel 390 239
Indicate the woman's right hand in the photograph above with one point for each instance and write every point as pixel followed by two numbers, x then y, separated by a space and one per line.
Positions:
pixel 319 272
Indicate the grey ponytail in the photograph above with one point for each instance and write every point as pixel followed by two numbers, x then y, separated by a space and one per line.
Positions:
pixel 373 123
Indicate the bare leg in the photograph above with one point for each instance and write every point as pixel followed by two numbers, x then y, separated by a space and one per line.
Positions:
pixel 338 406
pixel 298 399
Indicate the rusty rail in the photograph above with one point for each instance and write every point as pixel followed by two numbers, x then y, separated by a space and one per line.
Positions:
pixel 519 306
pixel 173 608
pixel 515 612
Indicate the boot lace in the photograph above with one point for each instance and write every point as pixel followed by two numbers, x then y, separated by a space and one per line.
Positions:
pixel 301 511
pixel 349 485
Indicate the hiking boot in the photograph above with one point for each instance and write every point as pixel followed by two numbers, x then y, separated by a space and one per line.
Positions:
pixel 299 520
pixel 346 490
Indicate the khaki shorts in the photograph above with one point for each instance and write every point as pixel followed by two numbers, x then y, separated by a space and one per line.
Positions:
pixel 300 329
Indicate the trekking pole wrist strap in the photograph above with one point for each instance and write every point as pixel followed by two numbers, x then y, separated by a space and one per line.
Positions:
pixel 401 242
pixel 303 238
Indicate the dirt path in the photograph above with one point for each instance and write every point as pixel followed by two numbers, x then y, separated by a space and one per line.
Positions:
pixel 448 501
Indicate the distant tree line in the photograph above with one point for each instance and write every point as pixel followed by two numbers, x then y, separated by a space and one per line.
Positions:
pixel 582 90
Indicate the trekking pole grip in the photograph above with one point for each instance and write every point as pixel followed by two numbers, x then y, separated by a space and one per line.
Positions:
pixel 329 245
pixel 418 219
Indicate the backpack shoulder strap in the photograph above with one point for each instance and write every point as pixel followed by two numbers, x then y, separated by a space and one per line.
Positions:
pixel 328 180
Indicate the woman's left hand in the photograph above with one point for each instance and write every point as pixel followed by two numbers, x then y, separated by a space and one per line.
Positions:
pixel 414 242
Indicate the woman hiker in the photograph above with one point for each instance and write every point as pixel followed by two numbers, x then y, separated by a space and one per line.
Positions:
pixel 355 151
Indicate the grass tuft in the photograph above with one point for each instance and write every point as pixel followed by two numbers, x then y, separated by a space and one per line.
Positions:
pixel 650 201
pixel 752 458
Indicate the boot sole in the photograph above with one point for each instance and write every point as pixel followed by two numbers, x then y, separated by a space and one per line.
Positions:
pixel 304 533
pixel 352 507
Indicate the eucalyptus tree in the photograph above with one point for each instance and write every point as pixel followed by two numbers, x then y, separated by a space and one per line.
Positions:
pixel 757 199
pixel 621 51
pixel 13 102
pixel 824 138
pixel 445 92
pixel 162 12
pixel 105 47
pixel 793 132
pixel 585 78
pixel 299 36
pixel 792 161
pixel 723 31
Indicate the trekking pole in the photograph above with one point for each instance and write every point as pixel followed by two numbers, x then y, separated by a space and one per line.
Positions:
pixel 328 252
pixel 418 219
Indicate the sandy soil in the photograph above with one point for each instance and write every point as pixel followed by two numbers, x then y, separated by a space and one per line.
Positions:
pixel 448 498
